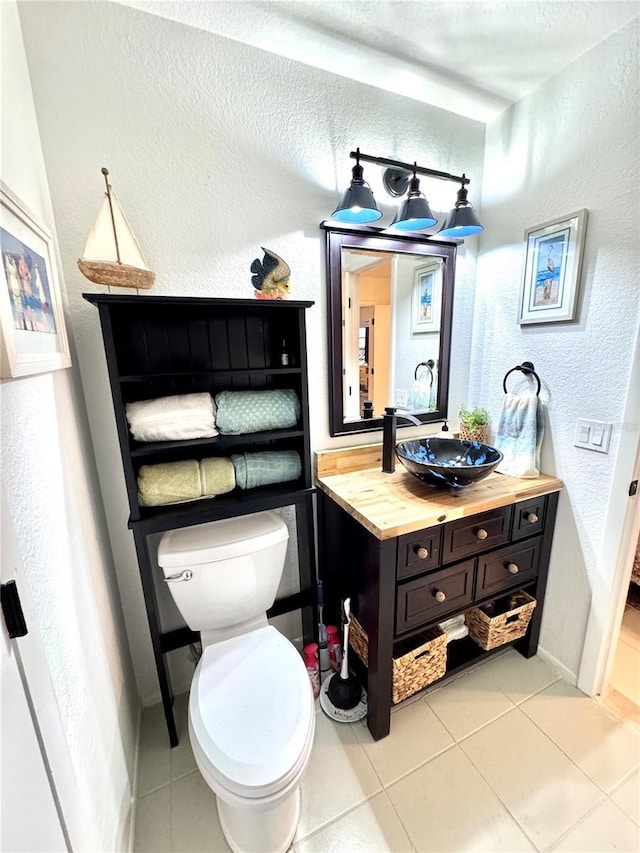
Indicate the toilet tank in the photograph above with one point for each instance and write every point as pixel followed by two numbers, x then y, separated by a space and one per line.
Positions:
pixel 224 572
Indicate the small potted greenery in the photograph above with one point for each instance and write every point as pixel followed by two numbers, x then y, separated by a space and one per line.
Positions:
pixel 473 423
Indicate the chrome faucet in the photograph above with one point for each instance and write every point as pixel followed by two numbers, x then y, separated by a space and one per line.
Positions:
pixel 389 423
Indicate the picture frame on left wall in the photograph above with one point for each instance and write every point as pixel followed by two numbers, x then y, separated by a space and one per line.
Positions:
pixel 33 335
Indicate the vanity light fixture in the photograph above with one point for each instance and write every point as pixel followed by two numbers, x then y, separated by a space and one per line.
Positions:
pixel 462 220
pixel 414 214
pixel 358 204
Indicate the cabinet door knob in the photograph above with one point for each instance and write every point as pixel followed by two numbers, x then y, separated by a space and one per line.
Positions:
pixel 422 553
pixel 513 568
pixel 482 533
pixel 531 517
pixel 440 596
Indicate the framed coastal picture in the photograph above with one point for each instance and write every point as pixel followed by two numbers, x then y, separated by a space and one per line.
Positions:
pixel 33 337
pixel 553 260
pixel 426 298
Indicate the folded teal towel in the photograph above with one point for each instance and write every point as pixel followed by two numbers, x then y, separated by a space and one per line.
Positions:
pixel 254 411
pixel 270 466
pixel 519 436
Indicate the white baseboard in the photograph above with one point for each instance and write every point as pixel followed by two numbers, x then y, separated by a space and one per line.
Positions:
pixel 564 671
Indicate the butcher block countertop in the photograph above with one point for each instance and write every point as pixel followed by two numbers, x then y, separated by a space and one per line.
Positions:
pixel 389 505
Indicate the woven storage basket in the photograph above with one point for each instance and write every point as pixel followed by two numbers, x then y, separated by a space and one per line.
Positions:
pixel 493 631
pixel 480 434
pixel 421 660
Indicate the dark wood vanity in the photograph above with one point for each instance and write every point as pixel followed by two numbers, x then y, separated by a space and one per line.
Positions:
pixel 410 556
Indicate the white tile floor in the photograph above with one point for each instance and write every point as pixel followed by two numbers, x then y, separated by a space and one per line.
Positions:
pixel 505 758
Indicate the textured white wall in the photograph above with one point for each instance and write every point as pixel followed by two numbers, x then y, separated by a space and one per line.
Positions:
pixel 215 149
pixel 571 144
pixel 53 498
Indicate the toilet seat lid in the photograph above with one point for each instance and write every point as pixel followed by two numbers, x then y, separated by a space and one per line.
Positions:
pixel 251 710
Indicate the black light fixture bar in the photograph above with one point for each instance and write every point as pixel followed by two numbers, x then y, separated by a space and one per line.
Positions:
pixel 409 167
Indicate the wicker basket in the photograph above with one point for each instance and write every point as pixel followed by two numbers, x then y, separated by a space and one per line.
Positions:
pixel 417 662
pixel 479 434
pixel 489 632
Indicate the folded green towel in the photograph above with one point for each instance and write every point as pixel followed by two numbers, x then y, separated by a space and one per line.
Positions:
pixel 254 411
pixel 177 482
pixel 270 466
pixel 218 476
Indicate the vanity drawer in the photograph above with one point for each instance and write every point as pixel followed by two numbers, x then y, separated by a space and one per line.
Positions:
pixel 507 567
pixel 437 594
pixel 528 518
pixel 418 552
pixel 477 533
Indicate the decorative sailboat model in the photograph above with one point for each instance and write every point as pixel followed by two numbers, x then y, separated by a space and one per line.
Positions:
pixel 112 255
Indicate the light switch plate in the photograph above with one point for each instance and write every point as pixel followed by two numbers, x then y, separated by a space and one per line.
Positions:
pixel 593 435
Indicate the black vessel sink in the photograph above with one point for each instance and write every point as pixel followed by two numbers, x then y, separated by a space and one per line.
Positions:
pixel 448 462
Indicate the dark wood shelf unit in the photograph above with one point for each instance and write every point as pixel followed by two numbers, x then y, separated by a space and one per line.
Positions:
pixel 158 346
pixel 159 519
pixel 266 371
pixel 139 449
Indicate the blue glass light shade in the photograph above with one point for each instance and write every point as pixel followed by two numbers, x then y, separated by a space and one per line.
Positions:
pixel 414 214
pixel 462 220
pixel 358 204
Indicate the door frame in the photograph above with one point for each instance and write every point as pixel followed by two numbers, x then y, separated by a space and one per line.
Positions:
pixel 622 528
pixel 40 695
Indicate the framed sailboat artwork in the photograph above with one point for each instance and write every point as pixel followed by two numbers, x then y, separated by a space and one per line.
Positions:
pixel 112 256
pixel 33 336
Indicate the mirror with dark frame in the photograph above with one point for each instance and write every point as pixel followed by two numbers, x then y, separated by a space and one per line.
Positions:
pixel 390 305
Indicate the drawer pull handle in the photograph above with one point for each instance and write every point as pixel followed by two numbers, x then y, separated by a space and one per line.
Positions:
pixel 531 517
pixel 482 533
pixel 513 568
pixel 422 553
pixel 440 596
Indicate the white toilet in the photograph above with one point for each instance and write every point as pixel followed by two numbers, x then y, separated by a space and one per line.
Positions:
pixel 251 706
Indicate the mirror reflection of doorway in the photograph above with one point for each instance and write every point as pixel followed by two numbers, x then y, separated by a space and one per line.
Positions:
pixel 384 338
pixel 367 330
pixel 374 372
pixel 365 350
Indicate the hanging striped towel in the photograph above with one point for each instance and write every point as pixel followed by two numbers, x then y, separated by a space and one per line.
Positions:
pixel 520 434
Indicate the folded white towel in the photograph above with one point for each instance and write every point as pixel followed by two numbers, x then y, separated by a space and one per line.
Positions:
pixel 520 434
pixel 175 418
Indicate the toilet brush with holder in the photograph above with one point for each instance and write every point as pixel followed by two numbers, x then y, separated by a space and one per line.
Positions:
pixel 341 696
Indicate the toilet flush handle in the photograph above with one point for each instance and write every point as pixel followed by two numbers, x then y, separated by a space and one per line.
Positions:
pixel 184 575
